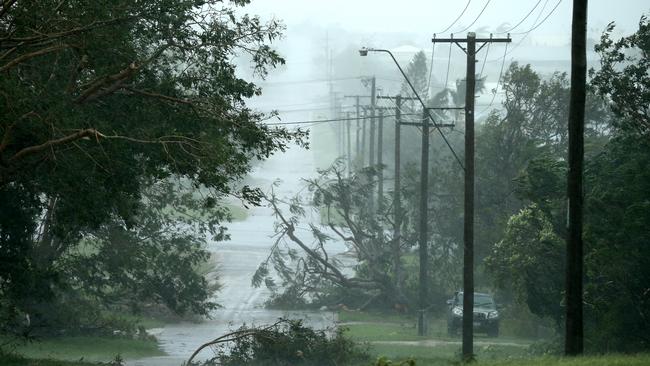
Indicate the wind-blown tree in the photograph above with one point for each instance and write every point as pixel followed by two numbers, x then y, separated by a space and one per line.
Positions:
pixel 616 302
pixel 309 269
pixel 417 71
pixel 99 101
pixel 623 78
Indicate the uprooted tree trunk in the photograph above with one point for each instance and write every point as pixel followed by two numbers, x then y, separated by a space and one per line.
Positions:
pixel 313 269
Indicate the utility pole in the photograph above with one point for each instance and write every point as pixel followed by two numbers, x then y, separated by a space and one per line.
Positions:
pixel 371 154
pixel 397 204
pixel 349 147
pixel 468 237
pixel 468 249
pixel 573 340
pixel 356 155
pixel 363 138
pixel 360 145
pixel 380 160
pixel 424 220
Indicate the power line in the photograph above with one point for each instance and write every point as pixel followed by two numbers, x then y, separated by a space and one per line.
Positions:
pixel 485 59
pixel 522 20
pixel 530 30
pixel 454 22
pixel 448 66
pixel 478 16
pixel 543 20
pixel 505 52
pixel 433 50
pixel 317 121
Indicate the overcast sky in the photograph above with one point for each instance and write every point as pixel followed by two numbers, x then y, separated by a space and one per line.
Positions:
pixel 350 24
pixel 431 16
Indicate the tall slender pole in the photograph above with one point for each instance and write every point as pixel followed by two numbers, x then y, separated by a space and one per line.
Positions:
pixel 357 135
pixel 424 219
pixel 380 160
pixel 468 252
pixel 363 139
pixel 574 343
pixel 371 153
pixel 348 122
pixel 397 204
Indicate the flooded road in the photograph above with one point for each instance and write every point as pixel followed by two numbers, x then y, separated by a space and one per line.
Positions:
pixel 237 260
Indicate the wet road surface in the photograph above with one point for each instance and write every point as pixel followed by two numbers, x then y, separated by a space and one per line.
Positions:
pixel 237 260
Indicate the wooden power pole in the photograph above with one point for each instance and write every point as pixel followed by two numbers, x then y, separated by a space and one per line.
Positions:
pixel 468 236
pixel 371 153
pixel 397 197
pixel 573 340
pixel 423 226
pixel 380 160
pixel 348 121
pixel 397 202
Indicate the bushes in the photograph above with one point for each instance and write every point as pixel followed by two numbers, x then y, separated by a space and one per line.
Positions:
pixel 287 342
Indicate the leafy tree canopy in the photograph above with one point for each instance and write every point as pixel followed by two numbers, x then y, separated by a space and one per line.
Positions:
pixel 100 101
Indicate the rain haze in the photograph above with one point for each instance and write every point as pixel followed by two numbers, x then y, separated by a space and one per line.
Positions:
pixel 334 182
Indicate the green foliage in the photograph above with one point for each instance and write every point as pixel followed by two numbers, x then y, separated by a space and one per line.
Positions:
pixel 384 361
pixel 417 72
pixel 287 343
pixel 529 258
pixel 103 105
pixel 623 78
pixel 310 273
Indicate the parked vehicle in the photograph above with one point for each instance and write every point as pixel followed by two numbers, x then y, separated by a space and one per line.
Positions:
pixel 485 319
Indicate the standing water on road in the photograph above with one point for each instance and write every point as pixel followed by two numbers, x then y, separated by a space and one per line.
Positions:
pixel 237 260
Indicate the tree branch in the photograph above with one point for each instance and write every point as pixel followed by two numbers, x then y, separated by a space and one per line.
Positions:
pixel 30 55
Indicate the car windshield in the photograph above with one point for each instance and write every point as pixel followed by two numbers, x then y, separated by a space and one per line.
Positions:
pixel 483 301
pixel 480 300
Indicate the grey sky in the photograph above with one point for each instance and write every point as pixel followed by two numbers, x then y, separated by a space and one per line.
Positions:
pixel 427 17
pixel 399 25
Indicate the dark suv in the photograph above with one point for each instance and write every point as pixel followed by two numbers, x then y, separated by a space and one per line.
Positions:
pixel 486 316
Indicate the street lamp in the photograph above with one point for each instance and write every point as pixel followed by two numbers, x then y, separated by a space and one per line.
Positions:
pixel 424 207
pixel 364 52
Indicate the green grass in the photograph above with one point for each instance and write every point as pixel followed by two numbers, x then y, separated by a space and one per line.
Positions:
pixel 92 349
pixel 13 360
pixel 238 213
pixel 443 354
pixel 497 356
pixel 359 316
pixel 605 360
pixel 371 326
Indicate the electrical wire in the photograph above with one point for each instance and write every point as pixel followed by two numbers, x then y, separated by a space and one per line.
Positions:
pixel 318 121
pixel 521 21
pixel 478 16
pixel 448 66
pixel 505 52
pixel 484 60
pixel 530 30
pixel 433 50
pixel 543 20
pixel 454 22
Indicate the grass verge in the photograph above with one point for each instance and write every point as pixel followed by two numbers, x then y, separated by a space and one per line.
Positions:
pixel 13 360
pixel 91 349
